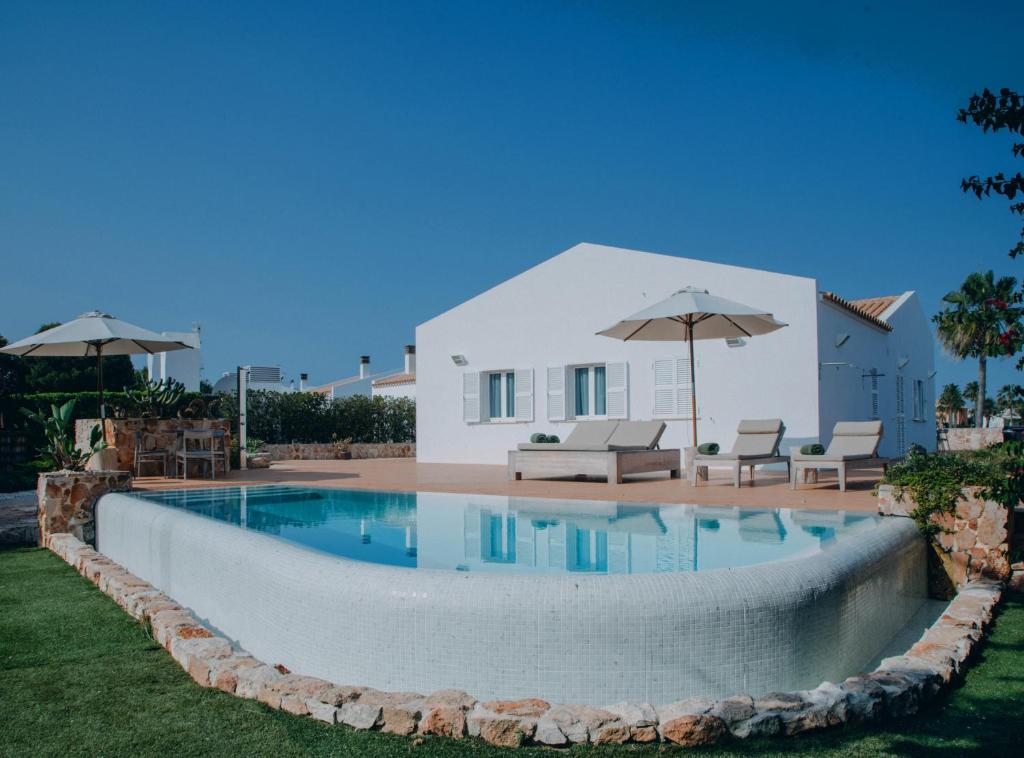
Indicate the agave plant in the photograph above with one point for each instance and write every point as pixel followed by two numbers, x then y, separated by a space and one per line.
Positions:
pixel 60 443
pixel 157 399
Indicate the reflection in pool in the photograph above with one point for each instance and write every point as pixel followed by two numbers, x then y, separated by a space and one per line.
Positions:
pixel 485 533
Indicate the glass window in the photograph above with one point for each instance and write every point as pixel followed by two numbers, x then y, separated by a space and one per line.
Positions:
pixel 590 387
pixel 510 394
pixel 600 395
pixel 494 387
pixel 583 391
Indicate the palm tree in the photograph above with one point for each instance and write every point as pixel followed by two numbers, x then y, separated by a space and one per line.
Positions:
pixel 1008 395
pixel 971 394
pixel 981 320
pixel 951 402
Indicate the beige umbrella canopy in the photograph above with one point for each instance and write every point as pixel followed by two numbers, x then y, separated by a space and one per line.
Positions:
pixel 93 334
pixel 693 314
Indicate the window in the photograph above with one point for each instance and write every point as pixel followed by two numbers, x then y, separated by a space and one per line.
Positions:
pixel 501 394
pixel 590 390
pixel 497 396
pixel 919 403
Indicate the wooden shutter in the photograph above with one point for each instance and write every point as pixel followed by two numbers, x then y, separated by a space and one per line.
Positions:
pixel 524 394
pixel 556 393
pixel 471 397
pixel 672 396
pixel 617 385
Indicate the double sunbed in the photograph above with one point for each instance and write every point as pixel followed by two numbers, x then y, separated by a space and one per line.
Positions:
pixel 618 448
pixel 597 448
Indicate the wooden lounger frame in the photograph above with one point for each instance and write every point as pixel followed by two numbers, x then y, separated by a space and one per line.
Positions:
pixel 614 464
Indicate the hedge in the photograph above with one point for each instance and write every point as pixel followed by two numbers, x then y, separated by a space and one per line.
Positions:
pixel 282 417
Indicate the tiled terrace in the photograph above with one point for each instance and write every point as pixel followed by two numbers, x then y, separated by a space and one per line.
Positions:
pixel 771 489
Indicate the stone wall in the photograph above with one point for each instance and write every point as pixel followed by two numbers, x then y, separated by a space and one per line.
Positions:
pixel 901 686
pixel 157 434
pixel 974 543
pixel 968 438
pixel 325 451
pixel 67 500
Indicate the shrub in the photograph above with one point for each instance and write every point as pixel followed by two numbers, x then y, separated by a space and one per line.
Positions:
pixel 936 481
pixel 282 417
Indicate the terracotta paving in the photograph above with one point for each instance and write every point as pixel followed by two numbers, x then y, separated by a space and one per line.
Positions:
pixel 770 490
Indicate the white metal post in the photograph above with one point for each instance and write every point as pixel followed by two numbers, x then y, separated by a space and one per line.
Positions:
pixel 243 386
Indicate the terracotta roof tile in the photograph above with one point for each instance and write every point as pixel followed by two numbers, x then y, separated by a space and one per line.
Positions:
pixel 867 309
pixel 395 379
pixel 875 306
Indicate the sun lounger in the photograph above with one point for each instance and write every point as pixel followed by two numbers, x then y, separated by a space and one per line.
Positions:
pixel 757 444
pixel 597 448
pixel 854 445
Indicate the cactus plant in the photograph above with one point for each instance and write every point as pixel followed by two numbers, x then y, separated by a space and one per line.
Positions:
pixel 157 399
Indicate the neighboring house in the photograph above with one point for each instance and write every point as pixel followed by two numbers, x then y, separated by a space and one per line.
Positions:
pixel 360 384
pixel 260 378
pixel 524 357
pixel 185 366
pixel 399 385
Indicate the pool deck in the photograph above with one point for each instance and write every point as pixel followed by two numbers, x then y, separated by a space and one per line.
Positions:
pixel 770 490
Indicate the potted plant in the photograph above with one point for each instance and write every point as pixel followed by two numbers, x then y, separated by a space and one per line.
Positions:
pixel 60 444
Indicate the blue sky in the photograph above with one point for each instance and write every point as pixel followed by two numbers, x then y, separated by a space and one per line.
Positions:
pixel 310 181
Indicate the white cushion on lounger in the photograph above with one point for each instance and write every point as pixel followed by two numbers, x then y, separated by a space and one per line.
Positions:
pixel 591 433
pixel 636 435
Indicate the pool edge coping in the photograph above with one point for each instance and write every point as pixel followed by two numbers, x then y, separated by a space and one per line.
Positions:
pixel 898 687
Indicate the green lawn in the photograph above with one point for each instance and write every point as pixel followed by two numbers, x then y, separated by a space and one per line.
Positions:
pixel 79 677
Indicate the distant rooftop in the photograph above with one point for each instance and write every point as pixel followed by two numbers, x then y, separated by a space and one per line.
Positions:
pixel 389 381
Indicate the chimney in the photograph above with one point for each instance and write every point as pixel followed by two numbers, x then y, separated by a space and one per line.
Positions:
pixel 303 380
pixel 364 366
pixel 410 359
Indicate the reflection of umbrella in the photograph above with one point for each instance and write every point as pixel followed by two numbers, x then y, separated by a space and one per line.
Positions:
pixel 692 314
pixel 93 333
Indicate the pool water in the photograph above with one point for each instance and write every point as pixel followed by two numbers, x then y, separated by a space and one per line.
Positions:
pixel 513 535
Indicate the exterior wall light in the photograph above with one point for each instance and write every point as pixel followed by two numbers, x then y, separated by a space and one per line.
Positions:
pixel 459 360
pixel 902 362
pixel 841 339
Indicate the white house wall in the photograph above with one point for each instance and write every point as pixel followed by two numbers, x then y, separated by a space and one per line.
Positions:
pixel 846 385
pixel 396 390
pixel 548 316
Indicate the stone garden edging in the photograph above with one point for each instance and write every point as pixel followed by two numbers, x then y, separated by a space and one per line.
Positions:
pixel 900 686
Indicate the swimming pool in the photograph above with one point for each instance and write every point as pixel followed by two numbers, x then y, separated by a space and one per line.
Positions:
pixel 573 601
pixel 504 535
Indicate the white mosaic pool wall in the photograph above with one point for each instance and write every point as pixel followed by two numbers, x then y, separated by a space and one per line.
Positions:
pixel 651 638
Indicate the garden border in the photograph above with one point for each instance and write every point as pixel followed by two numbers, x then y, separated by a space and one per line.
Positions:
pixel 900 686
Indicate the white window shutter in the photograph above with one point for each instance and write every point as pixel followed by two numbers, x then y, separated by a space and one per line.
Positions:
pixel 684 390
pixel 665 388
pixel 524 394
pixel 617 388
pixel 471 397
pixel 672 396
pixel 556 393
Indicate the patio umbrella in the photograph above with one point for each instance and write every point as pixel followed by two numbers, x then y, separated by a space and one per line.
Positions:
pixel 93 333
pixel 693 314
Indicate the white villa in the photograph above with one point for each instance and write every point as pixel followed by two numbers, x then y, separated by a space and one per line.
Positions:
pixel 185 366
pixel 393 382
pixel 524 357
pixel 399 385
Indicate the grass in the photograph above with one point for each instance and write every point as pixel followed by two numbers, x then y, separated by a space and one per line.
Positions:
pixel 80 677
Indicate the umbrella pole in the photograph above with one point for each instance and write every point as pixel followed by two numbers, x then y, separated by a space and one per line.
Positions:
pixel 693 381
pixel 99 378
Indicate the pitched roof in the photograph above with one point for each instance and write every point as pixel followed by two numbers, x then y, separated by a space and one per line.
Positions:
pixel 870 309
pixel 876 306
pixel 395 379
